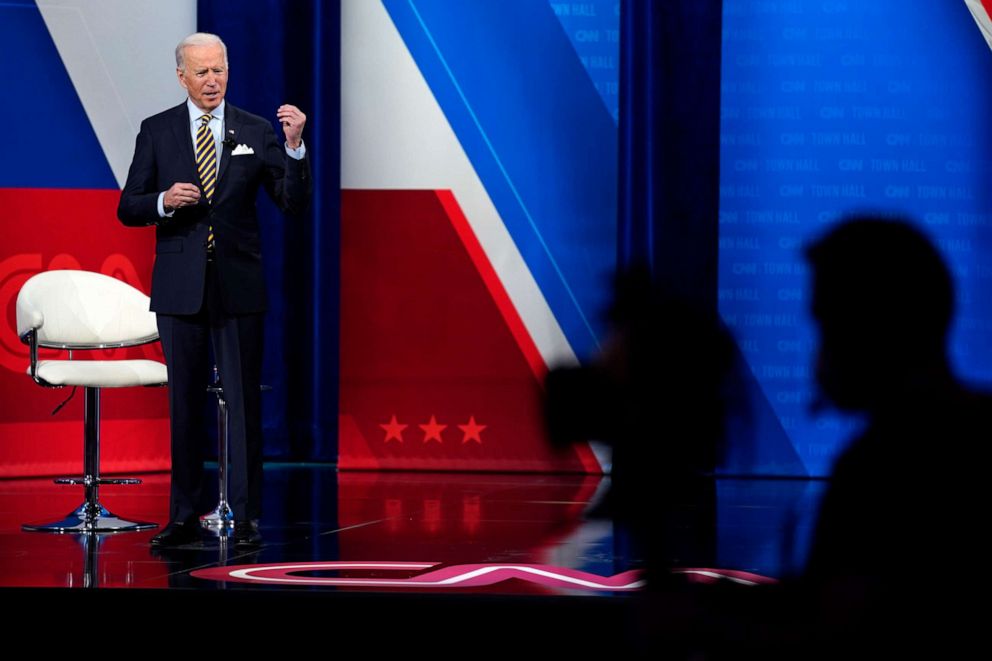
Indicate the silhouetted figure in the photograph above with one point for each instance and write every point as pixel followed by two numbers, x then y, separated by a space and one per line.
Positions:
pixel 895 560
pixel 654 394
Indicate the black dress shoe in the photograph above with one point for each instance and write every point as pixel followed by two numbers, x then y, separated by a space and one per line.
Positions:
pixel 246 534
pixel 177 533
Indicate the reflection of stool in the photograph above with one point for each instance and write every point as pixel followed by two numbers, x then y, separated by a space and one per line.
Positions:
pixel 91 562
pixel 77 310
pixel 222 517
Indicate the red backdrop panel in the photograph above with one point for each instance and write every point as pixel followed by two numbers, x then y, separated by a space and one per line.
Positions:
pixel 437 371
pixel 46 229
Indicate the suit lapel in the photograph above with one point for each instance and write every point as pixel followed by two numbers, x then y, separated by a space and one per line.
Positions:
pixel 180 126
pixel 232 127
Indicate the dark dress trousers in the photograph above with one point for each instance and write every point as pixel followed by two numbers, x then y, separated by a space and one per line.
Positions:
pixel 221 300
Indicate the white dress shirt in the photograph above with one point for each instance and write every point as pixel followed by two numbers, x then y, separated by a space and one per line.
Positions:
pixel 216 127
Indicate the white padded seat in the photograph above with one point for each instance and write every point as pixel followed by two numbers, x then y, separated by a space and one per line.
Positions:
pixel 79 311
pixel 102 373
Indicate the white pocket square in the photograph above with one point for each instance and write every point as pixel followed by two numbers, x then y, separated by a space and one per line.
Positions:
pixel 241 150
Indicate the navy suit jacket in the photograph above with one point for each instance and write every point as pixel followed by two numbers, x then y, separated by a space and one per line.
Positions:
pixel 163 155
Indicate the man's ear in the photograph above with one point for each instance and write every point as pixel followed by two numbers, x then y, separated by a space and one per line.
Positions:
pixel 182 81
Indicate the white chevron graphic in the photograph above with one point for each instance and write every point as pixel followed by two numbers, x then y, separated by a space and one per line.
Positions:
pixel 981 17
pixel 119 56
pixel 394 135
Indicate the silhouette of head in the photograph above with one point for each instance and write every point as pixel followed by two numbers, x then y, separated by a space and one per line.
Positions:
pixel 883 300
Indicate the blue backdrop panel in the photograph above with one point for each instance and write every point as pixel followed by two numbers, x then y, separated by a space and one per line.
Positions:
pixel 538 134
pixel 289 52
pixel 594 30
pixel 49 142
pixel 834 107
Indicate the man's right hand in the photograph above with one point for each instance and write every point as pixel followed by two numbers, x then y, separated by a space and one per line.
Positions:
pixel 181 195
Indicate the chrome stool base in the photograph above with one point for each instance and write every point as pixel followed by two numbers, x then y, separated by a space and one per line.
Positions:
pixel 90 519
pixel 91 516
pixel 221 517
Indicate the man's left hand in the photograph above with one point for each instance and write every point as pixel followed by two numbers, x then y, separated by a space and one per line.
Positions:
pixel 292 120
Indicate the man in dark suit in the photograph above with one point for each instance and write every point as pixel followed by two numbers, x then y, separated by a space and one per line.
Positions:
pixel 899 533
pixel 196 173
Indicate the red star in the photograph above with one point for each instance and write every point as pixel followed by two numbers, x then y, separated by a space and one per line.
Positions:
pixel 472 431
pixel 432 430
pixel 394 430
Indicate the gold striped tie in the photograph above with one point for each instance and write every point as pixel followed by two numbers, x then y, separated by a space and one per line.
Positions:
pixel 206 164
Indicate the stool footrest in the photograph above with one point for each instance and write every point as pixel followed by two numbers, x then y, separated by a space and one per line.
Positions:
pixel 89 480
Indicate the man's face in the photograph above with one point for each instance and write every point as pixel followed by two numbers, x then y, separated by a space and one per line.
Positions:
pixel 205 75
pixel 854 359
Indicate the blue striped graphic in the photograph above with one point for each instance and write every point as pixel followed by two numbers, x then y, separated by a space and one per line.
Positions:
pixel 537 133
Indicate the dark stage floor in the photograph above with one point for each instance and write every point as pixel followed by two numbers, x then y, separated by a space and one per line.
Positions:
pixel 377 543
pixel 315 514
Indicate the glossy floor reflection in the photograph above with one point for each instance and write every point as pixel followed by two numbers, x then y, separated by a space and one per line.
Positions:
pixel 415 522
